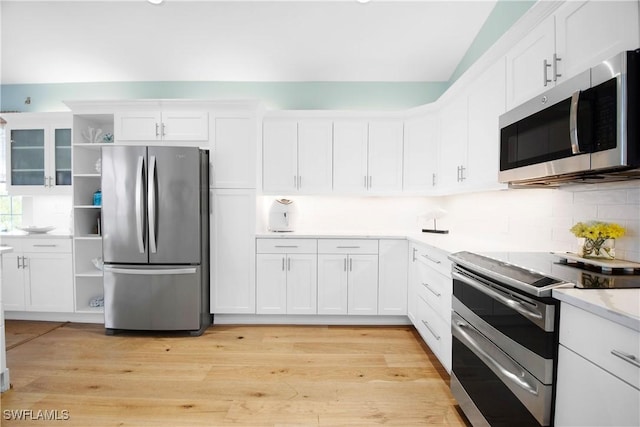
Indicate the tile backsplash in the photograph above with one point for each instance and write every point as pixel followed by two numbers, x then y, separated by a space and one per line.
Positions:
pixel 536 219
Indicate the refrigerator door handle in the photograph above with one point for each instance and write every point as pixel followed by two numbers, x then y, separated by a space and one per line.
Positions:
pixel 153 215
pixel 150 271
pixel 139 204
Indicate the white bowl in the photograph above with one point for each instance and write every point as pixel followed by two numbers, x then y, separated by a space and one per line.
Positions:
pixel 35 229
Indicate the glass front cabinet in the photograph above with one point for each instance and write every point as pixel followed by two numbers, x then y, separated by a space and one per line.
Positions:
pixel 38 153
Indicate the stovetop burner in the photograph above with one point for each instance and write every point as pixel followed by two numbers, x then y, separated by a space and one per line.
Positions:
pixel 539 272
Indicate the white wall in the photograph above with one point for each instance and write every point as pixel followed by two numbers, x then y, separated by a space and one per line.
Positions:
pixel 47 210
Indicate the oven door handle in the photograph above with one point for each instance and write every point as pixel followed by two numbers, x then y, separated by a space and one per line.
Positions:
pixel 533 315
pixel 506 368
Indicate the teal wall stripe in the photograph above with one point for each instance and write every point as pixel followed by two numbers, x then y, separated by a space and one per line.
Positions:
pixel 275 95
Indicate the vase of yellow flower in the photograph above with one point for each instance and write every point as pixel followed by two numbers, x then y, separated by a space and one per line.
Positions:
pixel 597 239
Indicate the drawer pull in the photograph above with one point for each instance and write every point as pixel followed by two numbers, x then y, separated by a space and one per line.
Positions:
pixel 348 247
pixel 426 285
pixel 431 259
pixel 45 246
pixel 286 246
pixel 424 322
pixel 630 358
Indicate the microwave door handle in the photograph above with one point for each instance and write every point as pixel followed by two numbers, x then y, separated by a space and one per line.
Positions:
pixel 573 123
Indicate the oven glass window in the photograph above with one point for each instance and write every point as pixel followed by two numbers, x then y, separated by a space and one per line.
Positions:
pixel 506 320
pixel 499 406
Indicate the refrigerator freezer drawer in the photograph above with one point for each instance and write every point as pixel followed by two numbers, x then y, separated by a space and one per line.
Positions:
pixel 159 298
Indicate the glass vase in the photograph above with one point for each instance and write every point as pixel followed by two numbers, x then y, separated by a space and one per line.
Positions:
pixel 597 248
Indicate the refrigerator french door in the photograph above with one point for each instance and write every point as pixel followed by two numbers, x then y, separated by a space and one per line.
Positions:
pixel 154 217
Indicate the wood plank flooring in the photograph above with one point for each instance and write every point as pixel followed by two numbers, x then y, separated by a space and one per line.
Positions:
pixel 231 375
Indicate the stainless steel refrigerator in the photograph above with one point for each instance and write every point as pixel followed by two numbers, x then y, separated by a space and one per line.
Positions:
pixel 155 229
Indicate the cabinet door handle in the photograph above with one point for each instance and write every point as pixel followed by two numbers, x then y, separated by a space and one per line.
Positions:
pixel 286 246
pixel 163 132
pixel 45 246
pixel 424 322
pixel 299 182
pixel 18 262
pixel 462 169
pixel 545 79
pixel 414 255
pixel 555 67
pixel 157 130
pixel 426 285
pixel 365 182
pixel 433 180
pixel 288 264
pixel 345 264
pixel 370 181
pixel 629 358
pixel 348 247
pixel 283 263
pixel 24 262
pixel 295 182
pixel 350 264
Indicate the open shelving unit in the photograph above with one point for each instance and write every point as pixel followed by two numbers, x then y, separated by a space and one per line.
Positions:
pixel 86 215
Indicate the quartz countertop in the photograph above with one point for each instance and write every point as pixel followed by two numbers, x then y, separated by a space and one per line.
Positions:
pixel 618 305
pixel 54 234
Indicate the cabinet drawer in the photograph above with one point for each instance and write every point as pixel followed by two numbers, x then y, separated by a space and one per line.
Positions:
pixel 47 245
pixel 432 257
pixel 348 246
pixel 289 246
pixel 601 341
pixel 431 327
pixel 435 289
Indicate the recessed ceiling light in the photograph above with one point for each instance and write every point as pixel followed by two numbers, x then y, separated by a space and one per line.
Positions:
pixel 363 1
pixel 155 1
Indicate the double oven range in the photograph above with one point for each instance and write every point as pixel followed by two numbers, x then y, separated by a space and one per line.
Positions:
pixel 505 330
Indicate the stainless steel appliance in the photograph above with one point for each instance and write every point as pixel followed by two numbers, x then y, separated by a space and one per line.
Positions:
pixel 155 212
pixel 505 328
pixel 505 341
pixel 581 131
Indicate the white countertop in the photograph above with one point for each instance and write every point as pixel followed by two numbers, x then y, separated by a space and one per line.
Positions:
pixel 5 249
pixel 54 234
pixel 618 305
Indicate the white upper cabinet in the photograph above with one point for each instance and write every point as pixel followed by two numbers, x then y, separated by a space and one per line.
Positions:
pixel 385 155
pixel 149 126
pixel 453 144
pixel 486 102
pixel 530 64
pixel 350 172
pixel 297 156
pixel 588 32
pixel 315 152
pixel 38 153
pixel 367 156
pixel 233 149
pixel 420 153
pixel 280 156
pixel 579 35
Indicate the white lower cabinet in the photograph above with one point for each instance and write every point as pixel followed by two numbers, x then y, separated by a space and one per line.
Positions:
pixel 37 275
pixel 392 277
pixel 598 374
pixel 232 247
pixel 286 271
pixel 348 276
pixel 429 299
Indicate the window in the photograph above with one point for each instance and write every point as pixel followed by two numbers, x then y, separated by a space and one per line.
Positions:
pixel 10 206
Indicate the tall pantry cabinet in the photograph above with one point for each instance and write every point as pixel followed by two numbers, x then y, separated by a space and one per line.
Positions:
pixel 233 209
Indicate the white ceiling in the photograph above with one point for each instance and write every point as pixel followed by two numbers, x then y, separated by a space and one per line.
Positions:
pixel 214 40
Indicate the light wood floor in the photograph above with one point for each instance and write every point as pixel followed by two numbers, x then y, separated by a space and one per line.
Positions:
pixel 232 375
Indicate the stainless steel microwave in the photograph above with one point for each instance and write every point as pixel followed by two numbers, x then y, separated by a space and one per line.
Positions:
pixel 584 130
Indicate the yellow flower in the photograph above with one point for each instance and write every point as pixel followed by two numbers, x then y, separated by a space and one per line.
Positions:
pixel 598 230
